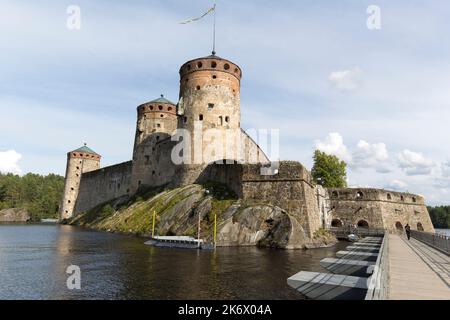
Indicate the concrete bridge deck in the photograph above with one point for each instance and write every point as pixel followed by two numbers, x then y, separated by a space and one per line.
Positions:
pixel 417 271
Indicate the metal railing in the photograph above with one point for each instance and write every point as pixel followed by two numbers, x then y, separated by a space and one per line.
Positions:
pixel 343 232
pixel 379 281
pixel 437 241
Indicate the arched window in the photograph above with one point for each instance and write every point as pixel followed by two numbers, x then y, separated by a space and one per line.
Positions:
pixel 200 117
pixel 363 224
pixel 389 197
pixel 399 226
pixel 213 64
pixel 160 107
pixel 402 198
pixel 414 199
pixel 336 223
pixel 198 88
pixel 199 64
pixel 359 195
pixel 226 66
pixel 420 227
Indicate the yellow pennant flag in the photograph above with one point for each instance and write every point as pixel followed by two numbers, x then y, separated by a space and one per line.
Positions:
pixel 202 16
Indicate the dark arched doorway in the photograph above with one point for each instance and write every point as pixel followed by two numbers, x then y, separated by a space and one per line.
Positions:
pixel 399 226
pixel 420 227
pixel 363 224
pixel 336 223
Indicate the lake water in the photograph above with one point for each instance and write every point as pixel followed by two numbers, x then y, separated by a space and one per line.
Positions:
pixel 443 231
pixel 34 259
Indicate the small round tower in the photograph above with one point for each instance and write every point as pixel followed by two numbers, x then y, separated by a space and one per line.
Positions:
pixel 79 161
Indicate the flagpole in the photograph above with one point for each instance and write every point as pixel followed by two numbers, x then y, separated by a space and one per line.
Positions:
pixel 214 31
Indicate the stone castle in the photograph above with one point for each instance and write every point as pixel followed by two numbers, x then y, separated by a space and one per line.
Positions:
pixel 209 100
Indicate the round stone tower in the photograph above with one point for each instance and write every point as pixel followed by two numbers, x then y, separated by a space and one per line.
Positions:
pixel 157 116
pixel 210 99
pixel 79 161
pixel 156 122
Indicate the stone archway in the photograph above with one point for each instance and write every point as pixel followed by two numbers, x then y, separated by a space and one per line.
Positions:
pixel 363 224
pixel 336 223
pixel 399 226
pixel 420 227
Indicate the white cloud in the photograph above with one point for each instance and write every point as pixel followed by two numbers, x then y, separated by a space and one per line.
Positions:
pixel 334 145
pixel 414 163
pixel 9 162
pixel 445 167
pixel 346 80
pixel 368 155
pixel 397 185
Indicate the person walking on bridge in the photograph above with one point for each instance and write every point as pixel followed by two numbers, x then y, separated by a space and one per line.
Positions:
pixel 408 231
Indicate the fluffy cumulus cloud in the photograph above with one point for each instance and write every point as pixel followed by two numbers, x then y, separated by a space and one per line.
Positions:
pixel 9 162
pixel 368 155
pixel 414 163
pixel 346 80
pixel 334 145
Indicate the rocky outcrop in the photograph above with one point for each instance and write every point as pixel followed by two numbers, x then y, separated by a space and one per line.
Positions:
pixel 14 215
pixel 179 211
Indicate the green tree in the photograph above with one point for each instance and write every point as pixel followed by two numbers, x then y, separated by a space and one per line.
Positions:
pixel 329 171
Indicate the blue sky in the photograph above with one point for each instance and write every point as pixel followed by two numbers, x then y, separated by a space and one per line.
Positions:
pixel 379 99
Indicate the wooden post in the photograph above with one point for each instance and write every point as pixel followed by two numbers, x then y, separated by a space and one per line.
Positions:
pixel 215 230
pixel 199 230
pixel 153 225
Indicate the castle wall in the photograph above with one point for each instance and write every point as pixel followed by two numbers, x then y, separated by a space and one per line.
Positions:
pixel 103 185
pixel 380 209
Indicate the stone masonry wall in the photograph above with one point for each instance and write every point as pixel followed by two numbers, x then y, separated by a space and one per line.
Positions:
pixel 379 209
pixel 103 185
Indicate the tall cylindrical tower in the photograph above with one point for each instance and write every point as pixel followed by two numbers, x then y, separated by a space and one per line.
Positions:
pixel 79 161
pixel 210 98
pixel 156 122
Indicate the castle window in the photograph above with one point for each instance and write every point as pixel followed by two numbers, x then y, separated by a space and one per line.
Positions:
pixel 67 211
pixel 72 189
pixel 198 88
pixel 414 199
pixel 236 70
pixel 359 195
pixel 199 64
pixel 227 119
pixel 335 194
pixel 220 121
pixel 158 125
pixel 162 116
pixel 78 168
pixel 402 198
pixel 69 201
pixel 185 119
pixel 77 175
pixel 200 117
pixel 214 77
pixel 160 107
pixel 151 107
pixel 170 109
pixel 226 66
pixel 336 223
pixel 210 106
pixel 363 224
pixel 153 172
pixel 389 197
pixel 213 64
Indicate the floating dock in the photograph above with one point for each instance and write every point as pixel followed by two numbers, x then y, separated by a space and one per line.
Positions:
pixel 181 242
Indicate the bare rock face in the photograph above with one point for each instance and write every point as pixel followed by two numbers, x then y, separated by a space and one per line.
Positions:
pixel 14 215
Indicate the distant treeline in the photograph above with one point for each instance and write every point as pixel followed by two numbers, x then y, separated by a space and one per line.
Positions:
pixel 440 216
pixel 40 195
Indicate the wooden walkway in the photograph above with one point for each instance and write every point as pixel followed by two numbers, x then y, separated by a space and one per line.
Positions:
pixel 417 271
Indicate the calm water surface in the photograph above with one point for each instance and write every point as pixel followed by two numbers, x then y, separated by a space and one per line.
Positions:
pixel 34 258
